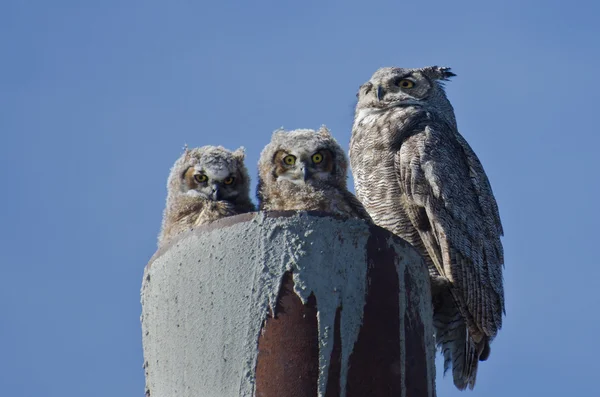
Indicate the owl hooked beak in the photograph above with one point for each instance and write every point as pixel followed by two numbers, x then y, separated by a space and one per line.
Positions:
pixel 305 172
pixel 380 92
pixel 215 194
pixel 300 175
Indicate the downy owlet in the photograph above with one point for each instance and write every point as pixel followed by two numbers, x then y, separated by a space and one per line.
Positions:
pixel 205 184
pixel 306 170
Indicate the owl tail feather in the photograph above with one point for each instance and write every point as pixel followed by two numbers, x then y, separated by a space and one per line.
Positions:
pixel 457 346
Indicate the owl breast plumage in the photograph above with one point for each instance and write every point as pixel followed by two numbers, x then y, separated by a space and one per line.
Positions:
pixel 418 177
pixel 205 184
pixel 306 170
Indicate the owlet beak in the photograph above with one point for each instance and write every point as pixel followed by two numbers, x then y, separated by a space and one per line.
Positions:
pixel 379 92
pixel 215 194
pixel 305 173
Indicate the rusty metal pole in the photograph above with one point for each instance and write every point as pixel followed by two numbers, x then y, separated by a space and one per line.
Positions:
pixel 287 305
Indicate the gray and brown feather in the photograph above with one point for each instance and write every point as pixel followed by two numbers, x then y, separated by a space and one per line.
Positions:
pixel 205 184
pixel 306 170
pixel 419 178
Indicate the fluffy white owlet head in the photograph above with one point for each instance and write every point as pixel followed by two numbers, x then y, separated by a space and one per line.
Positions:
pixel 303 157
pixel 212 173
pixel 392 87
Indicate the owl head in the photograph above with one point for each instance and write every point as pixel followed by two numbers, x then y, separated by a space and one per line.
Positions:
pixel 399 87
pixel 303 158
pixel 210 173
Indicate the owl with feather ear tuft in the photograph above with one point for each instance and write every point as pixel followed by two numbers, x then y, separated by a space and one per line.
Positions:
pixel 306 170
pixel 205 184
pixel 419 178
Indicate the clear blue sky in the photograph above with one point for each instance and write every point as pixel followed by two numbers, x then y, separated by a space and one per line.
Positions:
pixel 96 102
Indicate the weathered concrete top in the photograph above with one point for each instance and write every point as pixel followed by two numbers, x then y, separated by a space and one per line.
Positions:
pixel 219 315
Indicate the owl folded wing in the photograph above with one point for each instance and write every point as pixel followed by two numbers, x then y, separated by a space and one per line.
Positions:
pixel 450 203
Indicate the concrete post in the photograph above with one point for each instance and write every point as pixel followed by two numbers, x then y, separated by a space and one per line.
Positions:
pixel 287 305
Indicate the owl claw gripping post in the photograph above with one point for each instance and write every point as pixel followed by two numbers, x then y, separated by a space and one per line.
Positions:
pixel 205 184
pixel 419 178
pixel 305 170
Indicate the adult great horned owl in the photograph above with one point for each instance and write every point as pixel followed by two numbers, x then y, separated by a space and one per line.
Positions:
pixel 306 170
pixel 419 178
pixel 205 184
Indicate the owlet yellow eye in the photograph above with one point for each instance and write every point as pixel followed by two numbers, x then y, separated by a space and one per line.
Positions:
pixel 200 178
pixel 289 159
pixel 317 158
pixel 405 83
pixel 229 180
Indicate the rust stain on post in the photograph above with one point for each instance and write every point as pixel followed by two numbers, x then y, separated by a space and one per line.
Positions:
pixel 288 351
pixel 375 367
pixel 415 365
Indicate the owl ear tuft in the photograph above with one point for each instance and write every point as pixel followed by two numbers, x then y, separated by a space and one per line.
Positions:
pixel 240 153
pixel 278 131
pixel 186 152
pixel 438 73
pixel 324 131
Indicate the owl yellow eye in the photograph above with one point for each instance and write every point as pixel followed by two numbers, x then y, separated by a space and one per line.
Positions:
pixel 229 180
pixel 405 83
pixel 317 158
pixel 289 159
pixel 200 178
